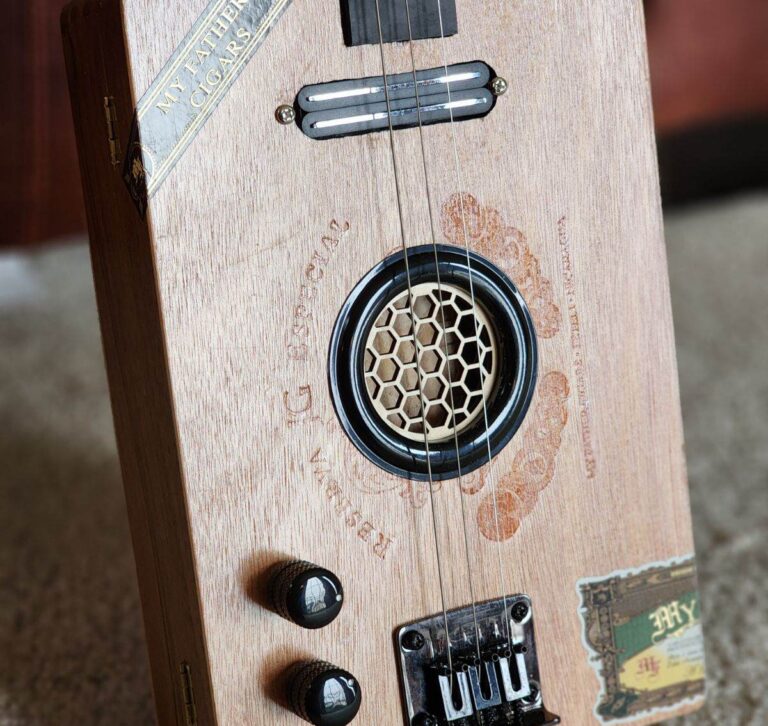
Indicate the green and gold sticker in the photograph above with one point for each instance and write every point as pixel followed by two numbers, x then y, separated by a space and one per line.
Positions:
pixel 643 630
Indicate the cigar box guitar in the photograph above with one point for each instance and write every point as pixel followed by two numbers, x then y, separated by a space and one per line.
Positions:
pixel 385 309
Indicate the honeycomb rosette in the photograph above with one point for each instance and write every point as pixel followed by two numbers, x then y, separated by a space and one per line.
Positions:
pixel 456 355
pixel 432 364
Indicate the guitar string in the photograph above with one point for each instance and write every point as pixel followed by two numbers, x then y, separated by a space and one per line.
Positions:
pixel 441 581
pixel 441 307
pixel 460 184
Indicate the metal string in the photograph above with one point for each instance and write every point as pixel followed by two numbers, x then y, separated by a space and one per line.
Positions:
pixel 413 330
pixel 442 320
pixel 460 184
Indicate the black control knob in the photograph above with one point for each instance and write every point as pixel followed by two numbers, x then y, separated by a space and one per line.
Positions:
pixel 306 594
pixel 324 695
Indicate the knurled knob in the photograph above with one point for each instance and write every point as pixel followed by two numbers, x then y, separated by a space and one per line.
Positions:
pixel 306 594
pixel 324 695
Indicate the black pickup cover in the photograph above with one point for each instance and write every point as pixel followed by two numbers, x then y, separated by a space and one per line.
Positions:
pixel 361 26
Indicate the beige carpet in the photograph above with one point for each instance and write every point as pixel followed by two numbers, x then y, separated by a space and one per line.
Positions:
pixel 71 648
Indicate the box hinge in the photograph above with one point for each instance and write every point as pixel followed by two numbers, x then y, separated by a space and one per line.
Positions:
pixel 110 113
pixel 188 694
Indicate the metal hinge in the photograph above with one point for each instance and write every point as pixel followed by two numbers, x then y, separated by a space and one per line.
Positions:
pixel 110 112
pixel 187 694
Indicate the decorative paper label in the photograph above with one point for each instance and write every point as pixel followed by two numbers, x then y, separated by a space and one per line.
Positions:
pixel 190 87
pixel 644 630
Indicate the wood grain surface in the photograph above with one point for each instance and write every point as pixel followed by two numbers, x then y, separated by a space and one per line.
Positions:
pixel 217 313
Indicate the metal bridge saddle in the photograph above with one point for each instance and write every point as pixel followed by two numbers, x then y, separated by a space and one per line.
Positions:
pixel 491 683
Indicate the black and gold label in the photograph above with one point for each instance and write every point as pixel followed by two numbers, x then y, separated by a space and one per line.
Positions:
pixel 644 631
pixel 190 87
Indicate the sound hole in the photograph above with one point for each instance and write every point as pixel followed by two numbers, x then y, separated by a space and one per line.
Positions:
pixel 477 363
pixel 456 355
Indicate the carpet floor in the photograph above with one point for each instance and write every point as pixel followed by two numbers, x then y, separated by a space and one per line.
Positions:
pixel 71 643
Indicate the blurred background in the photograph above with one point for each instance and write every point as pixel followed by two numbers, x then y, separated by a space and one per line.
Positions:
pixel 71 642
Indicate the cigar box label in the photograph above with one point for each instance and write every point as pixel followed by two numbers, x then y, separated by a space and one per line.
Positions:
pixel 642 629
pixel 190 86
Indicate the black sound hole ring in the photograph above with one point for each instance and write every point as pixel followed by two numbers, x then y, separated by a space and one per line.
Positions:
pixel 516 352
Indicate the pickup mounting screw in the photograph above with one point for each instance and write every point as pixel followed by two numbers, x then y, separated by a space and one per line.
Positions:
pixel 412 640
pixel 519 611
pixel 499 86
pixel 285 114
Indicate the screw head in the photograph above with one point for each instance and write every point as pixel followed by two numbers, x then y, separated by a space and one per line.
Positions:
pixel 412 640
pixel 499 86
pixel 285 114
pixel 519 611
pixel 424 719
pixel 533 696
